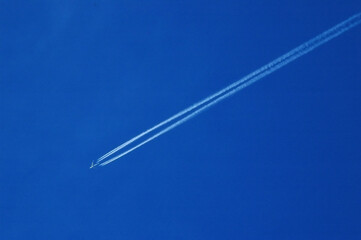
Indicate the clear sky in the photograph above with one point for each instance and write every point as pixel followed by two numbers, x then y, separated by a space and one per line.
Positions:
pixel 279 160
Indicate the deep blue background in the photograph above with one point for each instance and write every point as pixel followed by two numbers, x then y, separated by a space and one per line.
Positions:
pixel 279 160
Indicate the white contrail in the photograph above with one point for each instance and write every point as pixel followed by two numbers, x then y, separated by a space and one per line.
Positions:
pixel 198 107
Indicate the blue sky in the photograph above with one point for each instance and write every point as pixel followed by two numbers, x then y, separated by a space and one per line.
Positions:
pixel 279 160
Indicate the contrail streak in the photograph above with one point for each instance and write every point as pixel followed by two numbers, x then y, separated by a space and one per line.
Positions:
pixel 231 89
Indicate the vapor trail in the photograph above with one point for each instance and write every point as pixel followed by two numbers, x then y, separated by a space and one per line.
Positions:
pixel 209 101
